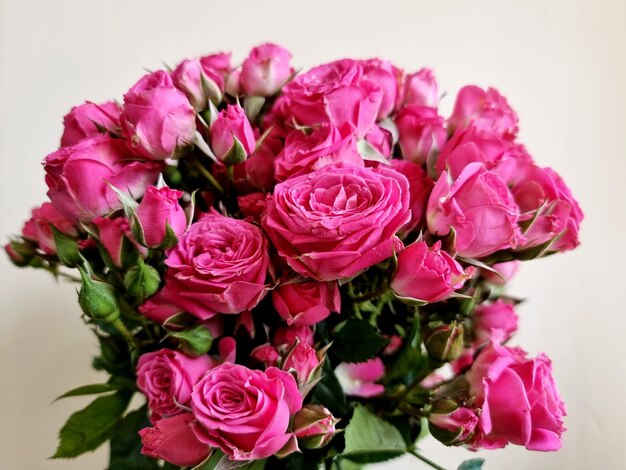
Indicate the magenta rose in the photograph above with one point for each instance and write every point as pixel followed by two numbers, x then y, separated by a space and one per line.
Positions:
pixel 420 186
pixel 79 177
pixel 306 302
pixel 480 209
pixel 421 131
pixel 245 412
pixel 494 318
pixel 38 228
pixel 220 265
pixel 88 120
pixel 487 109
pixel 518 398
pixel 420 88
pixel 427 273
pixel 253 205
pixel 303 360
pixel 388 78
pixel 173 440
pixel 339 220
pixel 231 124
pixel 265 70
pixel 158 209
pixel 158 118
pixel 167 378
pixel 287 335
pixel 115 236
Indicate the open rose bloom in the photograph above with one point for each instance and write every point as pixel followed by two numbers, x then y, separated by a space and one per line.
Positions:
pixel 282 264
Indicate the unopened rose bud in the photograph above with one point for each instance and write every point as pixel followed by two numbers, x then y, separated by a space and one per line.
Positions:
pixel 445 343
pixel 98 299
pixel 265 70
pixel 314 426
pixel 67 248
pixel 231 136
pixel 18 253
pixel 142 281
pixel 454 428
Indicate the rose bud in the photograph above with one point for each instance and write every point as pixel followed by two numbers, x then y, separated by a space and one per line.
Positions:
pixel 427 273
pixel 489 318
pixel 116 238
pixel 142 281
pixel 159 211
pixel 158 118
pixel 266 354
pixel 454 428
pixel 388 78
pixel 217 67
pixel 90 119
pixel 307 302
pixel 445 343
pixel 189 77
pixel 286 336
pixel 98 299
pixel 420 89
pixel 303 360
pixel 314 426
pixel 40 228
pixel 17 255
pixel 231 136
pixel 359 379
pixel 421 131
pixel 265 70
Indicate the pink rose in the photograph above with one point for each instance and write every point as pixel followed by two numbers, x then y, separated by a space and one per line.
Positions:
pixel 266 354
pixel 518 399
pixel 420 89
pixel 307 302
pixel 220 265
pixel 339 220
pixel 173 440
pixel 158 118
pixel 459 425
pixel 388 78
pixel 253 205
pixel 231 124
pixel 115 236
pixel 421 132
pixel 506 270
pixel 190 78
pixel 265 70
pixel 167 378
pixel 287 335
pixel 257 172
pixel 78 177
pixel 427 273
pixel 314 426
pixel 487 109
pixel 480 209
pixel 245 412
pixel 381 140
pixel 359 379
pixel 158 209
pixel 303 360
pixel 491 318
pixel 88 120
pixel 217 67
pixel 420 186
pixel 38 228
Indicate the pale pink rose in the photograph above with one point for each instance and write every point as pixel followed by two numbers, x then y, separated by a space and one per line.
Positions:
pixel 306 302
pixel 287 335
pixel 421 132
pixel 38 228
pixel 231 124
pixel 158 118
pixel 88 120
pixel 167 378
pixel 420 88
pixel 487 109
pixel 518 398
pixel 266 354
pixel 427 273
pixel 265 70
pixel 480 209
pixel 217 67
pixel 359 379
pixel 173 440
pixel 116 238
pixel 339 220
pixel 303 360
pixel 158 209
pixel 507 271
pixel 420 186
pixel 388 77
pixel 79 177
pixel 245 412
pixel 304 153
pixel 461 422
pixel 492 318
pixel 220 265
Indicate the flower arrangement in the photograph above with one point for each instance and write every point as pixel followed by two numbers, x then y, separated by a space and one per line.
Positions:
pixel 300 269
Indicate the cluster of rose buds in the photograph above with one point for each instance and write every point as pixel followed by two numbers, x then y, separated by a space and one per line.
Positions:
pixel 264 249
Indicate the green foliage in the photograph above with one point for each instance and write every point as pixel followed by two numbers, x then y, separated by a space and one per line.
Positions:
pixel 328 392
pixel 357 341
pixel 410 359
pixel 92 389
pixel 125 452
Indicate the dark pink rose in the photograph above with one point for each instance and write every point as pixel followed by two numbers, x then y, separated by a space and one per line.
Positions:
pixel 388 78
pixel 88 120
pixel 420 186
pixel 253 205
pixel 306 302
pixel 173 440
pixel 287 335
pixel 497 318
pixel 38 228
pixel 158 209
pixel 220 265
pixel 304 153
pixel 339 220
pixel 359 379
pixel 79 177
pixel 158 118
pixel 266 354
pixel 427 273
pixel 257 172
pixel 115 236
pixel 487 109
pixel 167 378
pixel 303 360
pixel 480 209
pixel 459 425
pixel 518 398
pixel 217 67
pixel 506 270
pixel 420 88
pixel 421 132
pixel 245 412
pixel 265 70
pixel 231 124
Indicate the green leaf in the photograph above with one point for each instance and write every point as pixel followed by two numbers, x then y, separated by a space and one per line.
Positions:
pixel 328 392
pixel 472 464
pixel 410 357
pixel 92 389
pixel 125 452
pixel 357 341
pixel 371 439
pixel 252 106
pixel 88 428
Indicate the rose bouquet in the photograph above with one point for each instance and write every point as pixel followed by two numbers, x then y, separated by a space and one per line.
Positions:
pixel 299 269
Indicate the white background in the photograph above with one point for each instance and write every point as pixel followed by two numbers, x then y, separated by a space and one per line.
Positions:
pixel 562 64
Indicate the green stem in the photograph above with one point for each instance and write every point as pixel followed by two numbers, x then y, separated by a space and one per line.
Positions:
pixel 372 295
pixel 210 178
pixel 119 326
pixel 425 460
